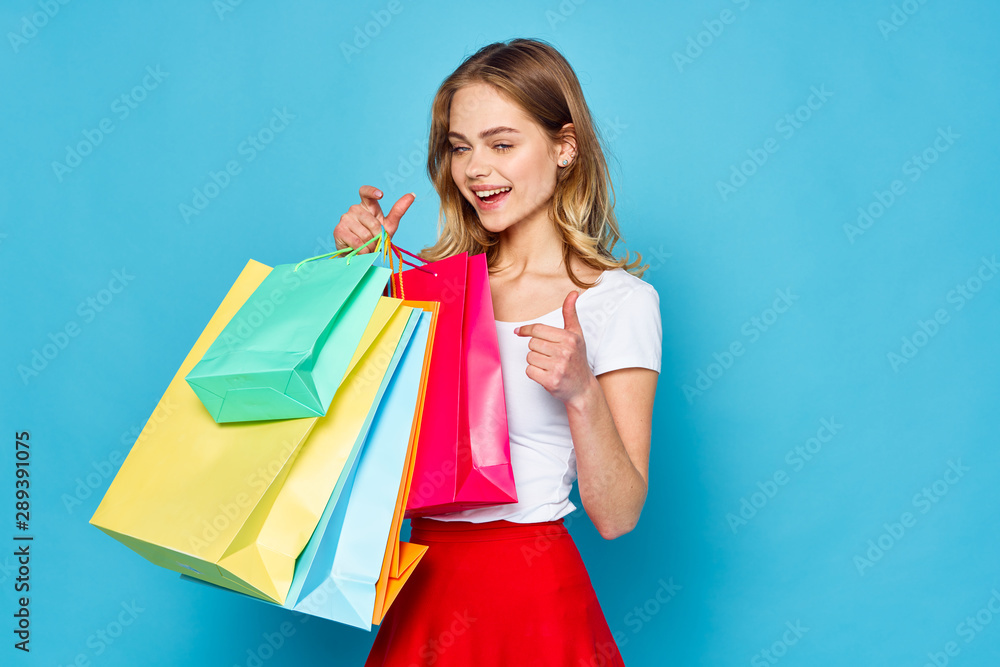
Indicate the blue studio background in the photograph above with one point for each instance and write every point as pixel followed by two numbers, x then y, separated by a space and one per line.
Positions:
pixel 813 184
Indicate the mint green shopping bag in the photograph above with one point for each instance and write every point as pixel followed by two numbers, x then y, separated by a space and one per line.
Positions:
pixel 287 349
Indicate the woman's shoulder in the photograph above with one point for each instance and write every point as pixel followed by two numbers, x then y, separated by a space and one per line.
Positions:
pixel 621 298
pixel 621 283
pixel 621 321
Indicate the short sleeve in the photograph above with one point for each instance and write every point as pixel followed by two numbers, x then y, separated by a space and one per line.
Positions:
pixel 633 335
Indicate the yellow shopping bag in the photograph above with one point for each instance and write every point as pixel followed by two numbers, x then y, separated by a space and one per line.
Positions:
pixel 226 502
pixel 354 564
pixel 265 551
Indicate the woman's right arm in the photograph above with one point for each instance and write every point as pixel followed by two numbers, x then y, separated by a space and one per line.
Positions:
pixel 364 221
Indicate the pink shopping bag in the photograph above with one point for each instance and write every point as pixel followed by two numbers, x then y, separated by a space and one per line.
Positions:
pixel 463 454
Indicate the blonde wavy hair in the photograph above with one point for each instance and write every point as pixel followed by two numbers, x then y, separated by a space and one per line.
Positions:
pixel 535 76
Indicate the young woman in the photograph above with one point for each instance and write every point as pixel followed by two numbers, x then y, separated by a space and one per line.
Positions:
pixel 515 158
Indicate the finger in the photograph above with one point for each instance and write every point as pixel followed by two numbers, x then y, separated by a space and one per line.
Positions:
pixel 342 234
pixel 391 221
pixel 369 199
pixel 571 322
pixel 543 331
pixel 348 238
pixel 540 361
pixel 372 225
pixel 365 238
pixel 535 374
pixel 541 346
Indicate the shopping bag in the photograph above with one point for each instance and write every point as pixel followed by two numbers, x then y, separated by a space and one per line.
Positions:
pixel 463 458
pixel 286 351
pixel 402 557
pixel 266 549
pixel 193 493
pixel 354 565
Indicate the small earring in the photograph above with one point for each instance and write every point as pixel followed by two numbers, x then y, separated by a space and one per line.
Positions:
pixel 565 162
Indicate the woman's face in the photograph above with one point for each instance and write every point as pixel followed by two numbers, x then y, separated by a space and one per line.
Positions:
pixel 496 146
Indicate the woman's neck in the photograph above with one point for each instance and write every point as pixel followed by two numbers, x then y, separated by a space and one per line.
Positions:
pixel 531 247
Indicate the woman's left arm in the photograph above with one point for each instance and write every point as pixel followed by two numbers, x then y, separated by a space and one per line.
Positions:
pixel 611 423
pixel 610 420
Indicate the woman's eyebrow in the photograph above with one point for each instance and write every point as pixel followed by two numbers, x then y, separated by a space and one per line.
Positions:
pixel 485 133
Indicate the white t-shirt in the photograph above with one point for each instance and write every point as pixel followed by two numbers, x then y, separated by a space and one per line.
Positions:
pixel 620 317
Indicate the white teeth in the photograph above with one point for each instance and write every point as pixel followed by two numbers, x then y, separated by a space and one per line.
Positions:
pixel 487 193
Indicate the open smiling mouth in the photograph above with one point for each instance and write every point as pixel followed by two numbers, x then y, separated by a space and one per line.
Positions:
pixel 492 198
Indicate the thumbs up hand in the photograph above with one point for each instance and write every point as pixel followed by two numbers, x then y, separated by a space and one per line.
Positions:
pixel 557 358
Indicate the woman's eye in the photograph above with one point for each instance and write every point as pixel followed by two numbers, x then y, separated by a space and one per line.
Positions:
pixel 499 147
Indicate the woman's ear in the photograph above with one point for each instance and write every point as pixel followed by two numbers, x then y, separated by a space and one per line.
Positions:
pixel 567 145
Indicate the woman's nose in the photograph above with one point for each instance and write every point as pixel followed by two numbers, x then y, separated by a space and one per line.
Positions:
pixel 477 164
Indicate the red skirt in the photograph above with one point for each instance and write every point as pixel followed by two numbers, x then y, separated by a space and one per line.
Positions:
pixel 497 594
